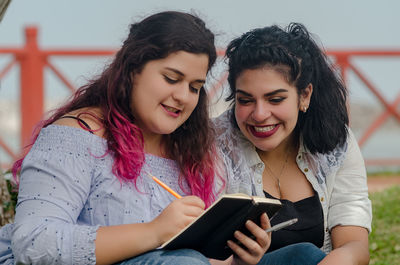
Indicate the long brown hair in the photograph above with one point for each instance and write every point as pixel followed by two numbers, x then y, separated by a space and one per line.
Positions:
pixel 192 145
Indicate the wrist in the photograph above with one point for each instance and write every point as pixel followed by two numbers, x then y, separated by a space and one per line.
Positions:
pixel 154 229
pixel 237 261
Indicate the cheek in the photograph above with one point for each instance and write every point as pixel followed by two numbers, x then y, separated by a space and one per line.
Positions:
pixel 241 113
pixel 287 113
pixel 191 106
pixel 194 102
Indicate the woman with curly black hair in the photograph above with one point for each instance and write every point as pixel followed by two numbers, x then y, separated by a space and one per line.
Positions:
pixel 287 137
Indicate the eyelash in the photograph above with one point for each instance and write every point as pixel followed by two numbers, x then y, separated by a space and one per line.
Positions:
pixel 169 80
pixel 173 81
pixel 194 90
pixel 275 100
pixel 243 101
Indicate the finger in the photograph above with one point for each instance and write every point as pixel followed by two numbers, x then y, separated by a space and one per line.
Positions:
pixel 192 211
pixel 242 254
pixel 193 201
pixel 264 221
pixel 239 251
pixel 186 220
pixel 261 237
pixel 190 206
pixel 251 245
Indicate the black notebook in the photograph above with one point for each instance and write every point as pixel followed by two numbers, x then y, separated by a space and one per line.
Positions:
pixel 209 232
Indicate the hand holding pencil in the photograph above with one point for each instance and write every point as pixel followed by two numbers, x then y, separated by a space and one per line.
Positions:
pixel 178 214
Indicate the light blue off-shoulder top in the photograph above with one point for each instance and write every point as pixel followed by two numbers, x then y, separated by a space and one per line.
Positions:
pixel 67 190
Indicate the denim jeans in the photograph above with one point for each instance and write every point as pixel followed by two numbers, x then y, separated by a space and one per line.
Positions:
pixel 299 254
pixel 169 257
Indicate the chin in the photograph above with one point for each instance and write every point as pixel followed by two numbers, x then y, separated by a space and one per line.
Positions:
pixel 169 130
pixel 268 149
pixel 264 147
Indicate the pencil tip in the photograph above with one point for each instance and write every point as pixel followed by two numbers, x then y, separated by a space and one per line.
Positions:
pixel 150 175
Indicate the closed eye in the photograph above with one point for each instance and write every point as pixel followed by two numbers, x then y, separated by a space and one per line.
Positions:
pixel 277 99
pixel 195 90
pixel 244 101
pixel 170 80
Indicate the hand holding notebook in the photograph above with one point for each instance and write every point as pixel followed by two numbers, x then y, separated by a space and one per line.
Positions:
pixel 209 232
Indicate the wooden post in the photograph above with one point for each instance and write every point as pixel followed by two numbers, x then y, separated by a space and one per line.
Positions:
pixel 32 92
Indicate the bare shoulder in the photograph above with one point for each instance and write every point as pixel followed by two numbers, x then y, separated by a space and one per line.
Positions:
pixel 83 118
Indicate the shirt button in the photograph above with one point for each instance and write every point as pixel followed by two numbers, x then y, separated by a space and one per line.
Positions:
pixel 259 165
pixel 306 170
pixel 259 181
pixel 299 157
pixel 322 199
pixel 326 230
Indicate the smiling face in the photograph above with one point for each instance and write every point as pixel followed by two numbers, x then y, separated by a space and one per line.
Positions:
pixel 166 92
pixel 267 107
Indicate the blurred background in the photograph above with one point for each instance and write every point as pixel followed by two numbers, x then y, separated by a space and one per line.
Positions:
pixel 361 36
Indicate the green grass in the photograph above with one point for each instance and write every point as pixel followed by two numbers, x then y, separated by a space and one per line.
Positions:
pixel 383 173
pixel 384 240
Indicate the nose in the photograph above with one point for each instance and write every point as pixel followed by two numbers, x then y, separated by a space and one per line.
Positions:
pixel 261 112
pixel 181 93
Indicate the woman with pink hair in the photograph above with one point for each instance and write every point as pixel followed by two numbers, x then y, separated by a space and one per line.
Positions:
pixel 84 192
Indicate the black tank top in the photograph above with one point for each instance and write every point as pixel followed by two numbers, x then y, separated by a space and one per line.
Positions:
pixel 309 227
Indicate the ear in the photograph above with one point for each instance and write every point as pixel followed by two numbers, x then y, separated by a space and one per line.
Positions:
pixel 305 98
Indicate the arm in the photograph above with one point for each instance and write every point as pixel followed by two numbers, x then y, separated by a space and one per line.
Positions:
pixel 54 189
pixel 116 243
pixel 349 215
pixel 350 246
pixel 52 192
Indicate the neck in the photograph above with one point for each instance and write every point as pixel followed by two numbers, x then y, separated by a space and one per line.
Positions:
pixel 153 144
pixel 280 153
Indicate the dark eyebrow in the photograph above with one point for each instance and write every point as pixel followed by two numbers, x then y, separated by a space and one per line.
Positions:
pixel 280 90
pixel 182 74
pixel 238 91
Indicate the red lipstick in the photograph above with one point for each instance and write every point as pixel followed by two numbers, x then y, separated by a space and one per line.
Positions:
pixel 262 134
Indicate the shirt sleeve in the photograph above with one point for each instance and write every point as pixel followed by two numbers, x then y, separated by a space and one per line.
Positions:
pixel 349 204
pixel 54 185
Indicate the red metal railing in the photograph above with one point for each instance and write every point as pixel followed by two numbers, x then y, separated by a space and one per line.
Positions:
pixel 33 60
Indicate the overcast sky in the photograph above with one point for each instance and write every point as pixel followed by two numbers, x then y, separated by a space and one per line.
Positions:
pixel 339 23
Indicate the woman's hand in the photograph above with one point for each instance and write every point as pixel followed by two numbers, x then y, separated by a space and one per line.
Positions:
pixel 252 250
pixel 176 216
pixel 119 242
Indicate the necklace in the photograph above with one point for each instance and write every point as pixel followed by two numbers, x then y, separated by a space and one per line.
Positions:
pixel 277 177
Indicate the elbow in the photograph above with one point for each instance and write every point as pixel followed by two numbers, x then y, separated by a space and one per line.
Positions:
pixel 20 245
pixel 363 256
pixel 26 248
pixel 365 259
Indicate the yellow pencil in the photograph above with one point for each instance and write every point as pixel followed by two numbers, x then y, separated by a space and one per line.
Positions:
pixel 162 184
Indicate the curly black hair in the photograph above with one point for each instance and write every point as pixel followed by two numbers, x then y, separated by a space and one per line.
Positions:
pixel 294 53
